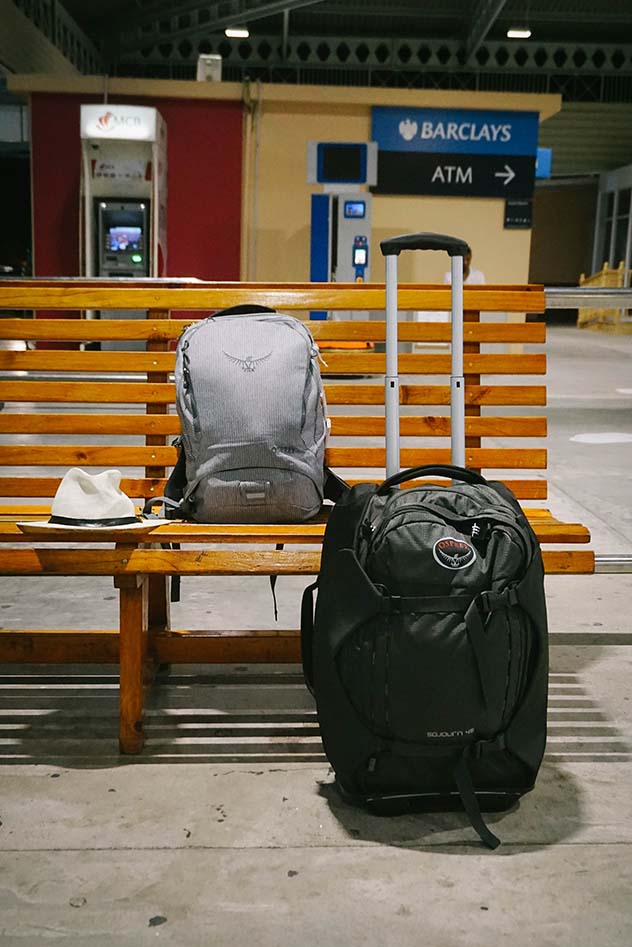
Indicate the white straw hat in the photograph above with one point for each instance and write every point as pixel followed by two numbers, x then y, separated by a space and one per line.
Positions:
pixel 92 501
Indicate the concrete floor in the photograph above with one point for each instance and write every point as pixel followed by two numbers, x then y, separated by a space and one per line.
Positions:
pixel 227 832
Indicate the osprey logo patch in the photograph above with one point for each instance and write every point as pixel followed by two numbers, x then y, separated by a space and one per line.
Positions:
pixel 453 553
pixel 249 363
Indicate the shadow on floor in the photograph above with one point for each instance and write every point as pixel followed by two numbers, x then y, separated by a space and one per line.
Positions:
pixel 234 714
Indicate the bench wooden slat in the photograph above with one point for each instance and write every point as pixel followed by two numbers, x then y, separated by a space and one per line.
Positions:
pixel 129 561
pixel 207 562
pixel 356 426
pixel 164 330
pixel 88 392
pixel 476 457
pixel 375 331
pixel 58 646
pixel 532 489
pixel 88 455
pixel 95 455
pixel 547 529
pixel 361 363
pixel 95 362
pixel 297 297
pixel 65 646
pixel 438 394
pixel 97 424
pixel 348 363
pixel 567 561
pixel 341 425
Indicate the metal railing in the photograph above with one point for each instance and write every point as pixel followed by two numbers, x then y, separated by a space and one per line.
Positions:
pixel 587 297
pixel 614 564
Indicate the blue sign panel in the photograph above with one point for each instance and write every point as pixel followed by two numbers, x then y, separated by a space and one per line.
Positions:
pixel 543 163
pixel 455 131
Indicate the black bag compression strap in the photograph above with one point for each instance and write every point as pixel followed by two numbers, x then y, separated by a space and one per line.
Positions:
pixel 463 780
pixel 307 635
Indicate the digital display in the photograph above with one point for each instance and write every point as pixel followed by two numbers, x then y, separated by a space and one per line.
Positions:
pixel 122 239
pixel 359 256
pixel 355 209
pixel 341 163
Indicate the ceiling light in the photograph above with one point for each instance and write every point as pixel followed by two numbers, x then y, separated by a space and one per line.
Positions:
pixel 237 32
pixel 515 33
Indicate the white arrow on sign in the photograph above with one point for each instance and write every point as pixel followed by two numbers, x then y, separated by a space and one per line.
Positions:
pixel 508 174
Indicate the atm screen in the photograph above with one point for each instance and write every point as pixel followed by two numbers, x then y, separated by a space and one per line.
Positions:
pixel 359 256
pixel 121 239
pixel 355 208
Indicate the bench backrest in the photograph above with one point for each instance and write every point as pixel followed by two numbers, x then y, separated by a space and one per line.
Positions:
pixel 131 422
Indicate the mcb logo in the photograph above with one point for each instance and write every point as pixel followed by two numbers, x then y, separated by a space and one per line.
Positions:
pixel 109 121
pixel 408 129
pixel 104 120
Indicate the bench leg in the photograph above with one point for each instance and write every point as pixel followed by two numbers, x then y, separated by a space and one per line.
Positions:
pixel 134 659
pixel 159 603
pixel 159 613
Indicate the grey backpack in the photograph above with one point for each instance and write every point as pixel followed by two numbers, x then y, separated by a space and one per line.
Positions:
pixel 252 408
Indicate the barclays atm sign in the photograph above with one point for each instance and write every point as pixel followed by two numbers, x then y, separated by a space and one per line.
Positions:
pixel 465 152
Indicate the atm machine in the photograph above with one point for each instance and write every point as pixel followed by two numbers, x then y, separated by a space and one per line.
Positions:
pixel 123 198
pixel 123 238
pixel 340 234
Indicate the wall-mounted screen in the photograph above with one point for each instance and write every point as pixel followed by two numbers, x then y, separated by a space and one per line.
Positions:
pixel 342 164
pixel 334 162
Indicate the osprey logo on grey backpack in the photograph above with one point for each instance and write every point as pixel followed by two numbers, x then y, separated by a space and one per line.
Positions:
pixel 252 408
pixel 249 363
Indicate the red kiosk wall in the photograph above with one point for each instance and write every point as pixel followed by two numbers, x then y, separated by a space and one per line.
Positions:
pixel 204 150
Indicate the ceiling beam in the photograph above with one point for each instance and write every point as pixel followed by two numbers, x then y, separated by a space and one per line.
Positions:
pixel 215 14
pixel 484 16
pixel 220 15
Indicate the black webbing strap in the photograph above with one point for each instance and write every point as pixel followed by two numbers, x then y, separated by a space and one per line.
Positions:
pixel 480 646
pixel 463 780
pixel 307 634
pixel 334 486
pixel 273 582
pixel 176 580
pixel 427 603
pixel 482 604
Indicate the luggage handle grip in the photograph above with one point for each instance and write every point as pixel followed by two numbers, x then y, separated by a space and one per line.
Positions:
pixel 453 246
pixel 247 309
pixel 446 470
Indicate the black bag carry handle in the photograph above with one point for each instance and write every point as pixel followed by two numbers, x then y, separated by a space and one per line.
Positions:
pixel 242 310
pixel 430 470
pixel 453 246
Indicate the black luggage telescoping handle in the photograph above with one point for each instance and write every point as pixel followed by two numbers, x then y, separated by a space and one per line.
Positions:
pixel 453 246
pixel 457 249
pixel 432 470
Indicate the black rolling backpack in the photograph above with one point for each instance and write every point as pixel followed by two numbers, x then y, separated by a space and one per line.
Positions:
pixel 428 650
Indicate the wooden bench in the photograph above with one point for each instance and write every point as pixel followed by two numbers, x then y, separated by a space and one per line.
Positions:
pixel 120 413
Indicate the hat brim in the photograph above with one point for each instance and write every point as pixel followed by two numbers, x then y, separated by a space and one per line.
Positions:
pixel 44 526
